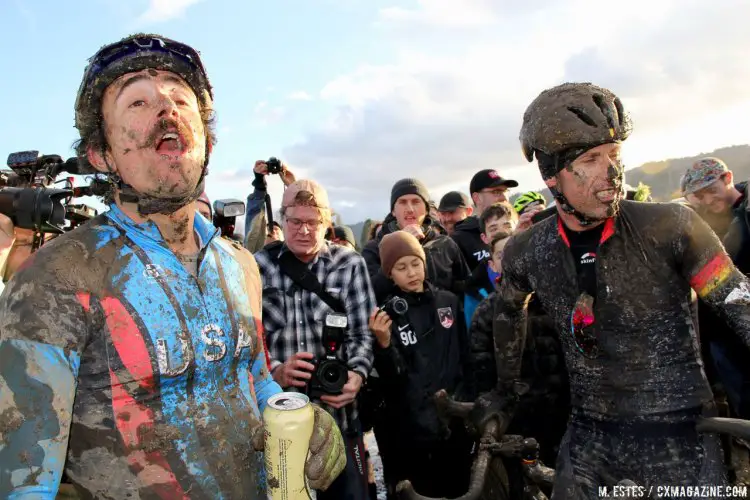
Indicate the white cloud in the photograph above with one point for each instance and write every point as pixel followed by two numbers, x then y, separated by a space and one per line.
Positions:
pixel 441 115
pixel 465 13
pixel 265 114
pixel 165 10
pixel 299 95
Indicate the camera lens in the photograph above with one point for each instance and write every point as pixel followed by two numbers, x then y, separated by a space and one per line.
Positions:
pixel 332 376
pixel 400 306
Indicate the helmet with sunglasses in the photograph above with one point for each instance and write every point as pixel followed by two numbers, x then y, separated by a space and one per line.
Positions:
pixel 132 54
pixel 571 118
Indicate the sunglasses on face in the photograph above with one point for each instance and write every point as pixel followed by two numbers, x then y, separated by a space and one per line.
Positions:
pixel 581 326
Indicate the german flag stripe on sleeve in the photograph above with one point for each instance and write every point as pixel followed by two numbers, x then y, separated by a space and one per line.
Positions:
pixel 712 275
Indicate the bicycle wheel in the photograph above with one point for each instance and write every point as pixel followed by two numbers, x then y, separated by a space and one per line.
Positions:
pixel 496 484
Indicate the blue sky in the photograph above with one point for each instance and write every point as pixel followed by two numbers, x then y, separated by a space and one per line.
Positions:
pixel 360 93
pixel 259 55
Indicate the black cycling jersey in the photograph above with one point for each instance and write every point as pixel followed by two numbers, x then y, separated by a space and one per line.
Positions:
pixel 647 365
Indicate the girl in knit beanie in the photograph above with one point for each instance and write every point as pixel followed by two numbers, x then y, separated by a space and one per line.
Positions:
pixel 419 349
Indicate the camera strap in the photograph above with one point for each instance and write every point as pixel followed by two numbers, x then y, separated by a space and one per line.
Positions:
pixel 301 275
pixel 269 213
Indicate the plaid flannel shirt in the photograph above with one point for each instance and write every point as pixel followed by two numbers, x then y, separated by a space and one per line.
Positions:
pixel 293 318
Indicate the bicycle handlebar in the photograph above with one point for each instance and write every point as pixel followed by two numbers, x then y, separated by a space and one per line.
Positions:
pixel 405 490
pixel 492 442
pixel 732 426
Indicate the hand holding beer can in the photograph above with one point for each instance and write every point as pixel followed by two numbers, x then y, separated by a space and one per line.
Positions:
pixel 288 425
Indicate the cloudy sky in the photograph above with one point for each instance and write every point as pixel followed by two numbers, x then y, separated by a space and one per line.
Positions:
pixel 360 93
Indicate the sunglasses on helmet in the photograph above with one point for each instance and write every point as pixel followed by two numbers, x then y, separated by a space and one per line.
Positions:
pixel 581 326
pixel 112 53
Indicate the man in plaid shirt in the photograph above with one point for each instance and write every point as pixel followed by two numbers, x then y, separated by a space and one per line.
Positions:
pixel 293 318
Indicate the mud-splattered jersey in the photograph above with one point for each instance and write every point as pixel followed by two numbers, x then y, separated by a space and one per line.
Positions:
pixel 128 373
pixel 649 258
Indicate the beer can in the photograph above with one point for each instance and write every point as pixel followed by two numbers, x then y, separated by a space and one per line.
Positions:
pixel 288 421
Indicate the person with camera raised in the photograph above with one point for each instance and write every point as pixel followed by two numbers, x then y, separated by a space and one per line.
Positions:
pixel 317 300
pixel 131 350
pixel 421 347
pixel 258 231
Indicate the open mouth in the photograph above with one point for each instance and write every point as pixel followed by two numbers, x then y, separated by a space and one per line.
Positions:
pixel 607 195
pixel 170 143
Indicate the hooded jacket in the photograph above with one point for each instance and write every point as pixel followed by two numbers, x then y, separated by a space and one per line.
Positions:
pixel 427 352
pixel 468 235
pixel 446 267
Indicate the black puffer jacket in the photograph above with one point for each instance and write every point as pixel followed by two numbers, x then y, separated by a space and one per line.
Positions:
pixel 446 267
pixel 542 412
pixel 468 236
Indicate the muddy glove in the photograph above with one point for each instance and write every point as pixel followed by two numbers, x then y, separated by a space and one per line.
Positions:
pixel 327 457
pixel 327 454
pixel 500 404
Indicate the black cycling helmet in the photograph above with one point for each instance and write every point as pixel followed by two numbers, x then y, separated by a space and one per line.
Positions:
pixel 131 54
pixel 565 121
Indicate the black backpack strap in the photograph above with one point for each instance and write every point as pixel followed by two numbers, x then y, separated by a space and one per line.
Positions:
pixel 301 275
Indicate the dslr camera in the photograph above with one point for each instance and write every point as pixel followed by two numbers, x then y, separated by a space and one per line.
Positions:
pixel 274 165
pixel 330 373
pixel 395 306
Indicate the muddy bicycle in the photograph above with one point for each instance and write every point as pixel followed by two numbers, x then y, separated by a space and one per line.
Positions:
pixel 489 478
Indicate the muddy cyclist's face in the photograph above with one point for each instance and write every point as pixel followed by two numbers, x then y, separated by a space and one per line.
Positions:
pixel 155 133
pixel 592 183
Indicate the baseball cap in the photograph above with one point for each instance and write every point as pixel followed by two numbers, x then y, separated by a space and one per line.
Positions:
pixel 319 195
pixel 453 200
pixel 489 178
pixel 702 174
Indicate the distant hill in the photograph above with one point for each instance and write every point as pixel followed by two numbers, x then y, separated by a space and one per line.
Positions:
pixel 357 230
pixel 664 176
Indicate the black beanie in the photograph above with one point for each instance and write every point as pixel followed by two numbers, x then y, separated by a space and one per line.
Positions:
pixel 409 186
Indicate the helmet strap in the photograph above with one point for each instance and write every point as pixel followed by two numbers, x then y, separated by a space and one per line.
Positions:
pixel 582 219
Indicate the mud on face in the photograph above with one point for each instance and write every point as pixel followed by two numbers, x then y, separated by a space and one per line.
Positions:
pixel 592 183
pixel 105 135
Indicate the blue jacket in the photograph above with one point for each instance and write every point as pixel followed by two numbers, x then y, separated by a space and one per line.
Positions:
pixel 149 379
